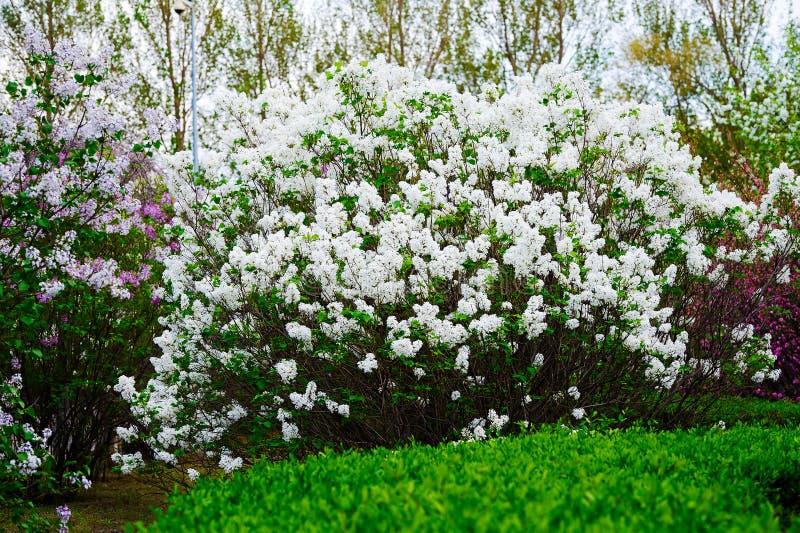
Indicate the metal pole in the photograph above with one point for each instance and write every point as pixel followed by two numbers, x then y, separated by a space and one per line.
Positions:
pixel 194 101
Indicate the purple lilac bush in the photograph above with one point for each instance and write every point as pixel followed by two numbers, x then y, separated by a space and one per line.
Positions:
pixel 82 239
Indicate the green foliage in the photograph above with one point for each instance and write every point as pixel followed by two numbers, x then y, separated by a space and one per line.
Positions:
pixel 743 479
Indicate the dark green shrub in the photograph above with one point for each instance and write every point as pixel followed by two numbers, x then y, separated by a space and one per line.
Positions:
pixel 760 411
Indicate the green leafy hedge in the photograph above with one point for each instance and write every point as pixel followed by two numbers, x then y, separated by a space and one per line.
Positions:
pixel 743 479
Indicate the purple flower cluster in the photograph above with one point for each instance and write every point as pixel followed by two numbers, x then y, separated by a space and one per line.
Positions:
pixel 778 315
pixel 64 514
pixel 49 342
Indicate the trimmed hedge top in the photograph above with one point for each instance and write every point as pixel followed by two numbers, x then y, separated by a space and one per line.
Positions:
pixel 744 479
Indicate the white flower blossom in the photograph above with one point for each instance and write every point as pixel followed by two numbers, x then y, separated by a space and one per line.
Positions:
pixel 286 369
pixel 574 393
pixel 290 431
pixel 229 464
pixel 432 270
pixel 368 364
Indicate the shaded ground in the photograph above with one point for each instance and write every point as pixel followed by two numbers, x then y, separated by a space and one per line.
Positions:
pixel 108 506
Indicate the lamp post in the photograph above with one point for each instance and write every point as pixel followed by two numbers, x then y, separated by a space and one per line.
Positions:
pixel 180 8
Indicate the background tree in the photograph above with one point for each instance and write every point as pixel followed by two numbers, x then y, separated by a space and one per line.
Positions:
pixel 471 42
pixel 82 20
pixel 528 34
pixel 695 58
pixel 775 95
pixel 156 45
pixel 413 33
pixel 267 47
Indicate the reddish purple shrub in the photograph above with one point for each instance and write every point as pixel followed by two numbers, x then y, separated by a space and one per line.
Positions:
pixel 777 310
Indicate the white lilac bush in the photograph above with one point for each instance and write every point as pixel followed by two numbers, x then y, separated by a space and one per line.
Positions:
pixel 393 259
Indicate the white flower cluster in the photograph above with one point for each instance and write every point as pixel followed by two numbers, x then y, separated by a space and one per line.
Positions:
pixel 229 464
pixel 477 429
pixel 128 462
pixel 390 228
pixel 78 480
pixel 287 370
pixel 23 451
